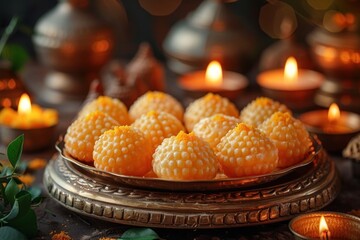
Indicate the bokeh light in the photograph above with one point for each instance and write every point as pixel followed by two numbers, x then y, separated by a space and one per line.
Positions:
pixel 334 21
pixel 278 20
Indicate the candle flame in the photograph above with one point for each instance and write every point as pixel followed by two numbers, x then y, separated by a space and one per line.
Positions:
pixel 24 104
pixel 323 229
pixel 214 75
pixel 334 113
pixel 291 70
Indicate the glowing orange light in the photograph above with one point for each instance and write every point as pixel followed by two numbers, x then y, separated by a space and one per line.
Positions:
pixel 2 85
pixel 24 104
pixel 101 46
pixel 334 113
pixel 291 70
pixel 329 54
pixel 214 74
pixel 11 84
pixel 339 19
pixel 6 102
pixel 350 18
pixel 324 232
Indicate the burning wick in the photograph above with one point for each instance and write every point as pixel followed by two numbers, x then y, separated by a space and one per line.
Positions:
pixel 324 232
pixel 291 70
pixel 334 113
pixel 214 74
pixel 334 124
pixel 24 104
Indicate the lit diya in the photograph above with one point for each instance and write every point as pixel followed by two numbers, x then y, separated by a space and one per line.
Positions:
pixel 37 124
pixel 325 226
pixel 214 79
pixel 292 86
pixel 333 127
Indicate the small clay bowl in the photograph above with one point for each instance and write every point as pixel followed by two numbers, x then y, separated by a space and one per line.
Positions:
pixel 341 225
pixel 34 139
pixel 332 142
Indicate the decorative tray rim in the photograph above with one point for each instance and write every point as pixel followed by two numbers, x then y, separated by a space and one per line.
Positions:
pixel 220 182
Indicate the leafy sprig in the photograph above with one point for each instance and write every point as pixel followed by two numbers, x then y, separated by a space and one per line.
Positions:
pixel 8 31
pixel 139 234
pixel 14 53
pixel 17 216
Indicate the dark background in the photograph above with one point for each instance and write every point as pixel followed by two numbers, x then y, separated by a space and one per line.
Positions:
pixel 133 23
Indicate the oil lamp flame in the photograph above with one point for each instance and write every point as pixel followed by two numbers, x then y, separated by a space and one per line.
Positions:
pixel 24 104
pixel 291 70
pixel 333 113
pixel 324 232
pixel 214 74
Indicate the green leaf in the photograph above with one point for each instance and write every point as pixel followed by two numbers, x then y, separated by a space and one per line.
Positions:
pixel 8 31
pixel 139 234
pixel 17 180
pixel 14 150
pixel 16 54
pixel 12 214
pixel 11 233
pixel 11 190
pixel 27 223
pixel 6 172
pixel 35 194
pixel 21 206
pixel 21 167
pixel 4 202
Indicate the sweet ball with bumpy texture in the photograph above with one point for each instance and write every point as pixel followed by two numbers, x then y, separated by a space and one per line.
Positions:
pixel 81 135
pixel 156 101
pixel 260 109
pixel 158 125
pixel 111 106
pixel 246 151
pixel 213 128
pixel 290 137
pixel 184 157
pixel 207 106
pixel 123 150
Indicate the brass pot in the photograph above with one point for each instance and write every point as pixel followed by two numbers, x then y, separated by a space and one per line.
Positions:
pixel 74 44
pixel 211 32
pixel 338 55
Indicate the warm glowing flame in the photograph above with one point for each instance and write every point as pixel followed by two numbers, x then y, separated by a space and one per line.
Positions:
pixel 324 232
pixel 214 75
pixel 333 113
pixel 291 70
pixel 24 104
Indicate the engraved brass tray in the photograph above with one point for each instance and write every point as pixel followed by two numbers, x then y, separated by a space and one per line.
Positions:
pixel 306 189
pixel 219 183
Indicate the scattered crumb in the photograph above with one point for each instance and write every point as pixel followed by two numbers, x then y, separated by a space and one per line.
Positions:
pixel 27 179
pixel 60 236
pixel 37 163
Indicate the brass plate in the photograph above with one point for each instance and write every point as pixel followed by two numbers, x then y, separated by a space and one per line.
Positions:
pixel 219 183
pixel 307 189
